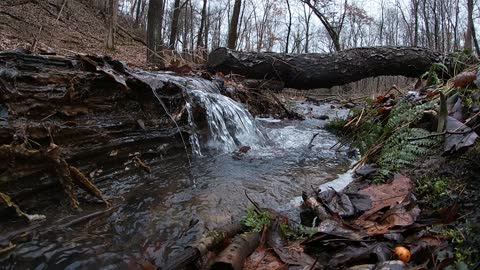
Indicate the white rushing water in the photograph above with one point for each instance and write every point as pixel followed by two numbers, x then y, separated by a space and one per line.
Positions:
pixel 230 125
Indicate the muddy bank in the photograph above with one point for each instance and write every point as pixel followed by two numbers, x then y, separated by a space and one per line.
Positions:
pixel 92 107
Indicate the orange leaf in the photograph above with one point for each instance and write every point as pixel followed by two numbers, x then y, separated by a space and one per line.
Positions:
pixel 464 78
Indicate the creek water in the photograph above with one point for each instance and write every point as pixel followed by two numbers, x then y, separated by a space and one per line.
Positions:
pixel 155 216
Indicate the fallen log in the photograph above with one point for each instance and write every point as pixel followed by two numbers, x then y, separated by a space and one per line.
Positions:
pixel 319 209
pixel 206 243
pixel 233 257
pixel 314 70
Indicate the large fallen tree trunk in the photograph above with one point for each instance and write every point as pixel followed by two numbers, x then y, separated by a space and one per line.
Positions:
pixel 306 71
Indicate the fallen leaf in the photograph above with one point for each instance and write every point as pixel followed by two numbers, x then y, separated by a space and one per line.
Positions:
pixel 294 254
pixel 402 214
pixel 464 78
pixel 337 202
pixel 455 107
pixel 456 142
pixel 361 202
pixel 337 228
pixel 262 260
pixel 386 195
pixel 367 253
pixel 449 214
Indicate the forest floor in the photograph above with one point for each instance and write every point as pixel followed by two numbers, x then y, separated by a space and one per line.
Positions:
pixel 79 29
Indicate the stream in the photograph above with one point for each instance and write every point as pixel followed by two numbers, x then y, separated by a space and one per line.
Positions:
pixel 156 215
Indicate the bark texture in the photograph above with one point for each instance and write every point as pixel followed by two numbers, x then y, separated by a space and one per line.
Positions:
pixel 307 71
pixel 233 257
pixel 154 29
pixel 232 31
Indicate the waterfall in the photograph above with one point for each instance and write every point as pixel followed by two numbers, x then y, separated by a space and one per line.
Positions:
pixel 229 124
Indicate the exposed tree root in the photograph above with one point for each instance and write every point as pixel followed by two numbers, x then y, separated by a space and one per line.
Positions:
pixel 52 157
pixel 82 181
pixel 140 164
pixel 7 201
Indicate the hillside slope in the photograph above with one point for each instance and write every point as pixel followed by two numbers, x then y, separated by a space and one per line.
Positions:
pixel 79 29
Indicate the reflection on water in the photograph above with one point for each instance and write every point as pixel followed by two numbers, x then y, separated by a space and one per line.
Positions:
pixel 158 214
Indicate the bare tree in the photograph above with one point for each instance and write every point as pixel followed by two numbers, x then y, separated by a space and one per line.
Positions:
pixel 289 26
pixel 112 24
pixel 333 27
pixel 174 25
pixel 415 5
pixel 154 29
pixel 202 25
pixel 232 31
pixel 137 14
pixel 307 16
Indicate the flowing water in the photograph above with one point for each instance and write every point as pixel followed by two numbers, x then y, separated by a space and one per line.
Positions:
pixel 156 215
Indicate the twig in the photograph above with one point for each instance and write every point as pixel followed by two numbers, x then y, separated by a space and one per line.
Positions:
pixel 35 41
pixel 131 36
pixel 314 263
pixel 253 202
pixel 310 144
pixel 48 116
pixel 446 132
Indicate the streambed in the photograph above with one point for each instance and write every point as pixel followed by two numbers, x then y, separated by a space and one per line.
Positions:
pixel 156 215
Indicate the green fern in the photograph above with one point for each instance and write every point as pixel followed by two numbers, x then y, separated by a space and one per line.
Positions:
pixel 402 144
pixel 404 147
pixel 432 74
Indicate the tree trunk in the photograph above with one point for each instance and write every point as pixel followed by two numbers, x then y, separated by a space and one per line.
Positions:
pixel 307 71
pixel 470 27
pixel 333 32
pixel 202 25
pixel 137 14
pixel 154 29
pixel 112 24
pixel 174 26
pixel 289 26
pixel 232 32
pixel 415 14
pixel 426 21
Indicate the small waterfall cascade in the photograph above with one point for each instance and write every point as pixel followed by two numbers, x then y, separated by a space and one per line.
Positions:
pixel 229 124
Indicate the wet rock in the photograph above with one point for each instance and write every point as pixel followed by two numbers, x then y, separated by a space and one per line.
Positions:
pixel 349 105
pixel 362 267
pixel 365 170
pixel 321 117
pixel 241 152
pixel 391 265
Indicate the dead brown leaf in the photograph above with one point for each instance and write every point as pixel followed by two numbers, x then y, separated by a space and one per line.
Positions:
pixel 262 259
pixel 387 195
pixel 294 254
pixel 464 78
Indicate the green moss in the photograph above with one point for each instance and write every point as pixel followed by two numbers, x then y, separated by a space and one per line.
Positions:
pixel 256 220
pixel 433 190
pixel 336 125
pixel 463 238
pixel 296 233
